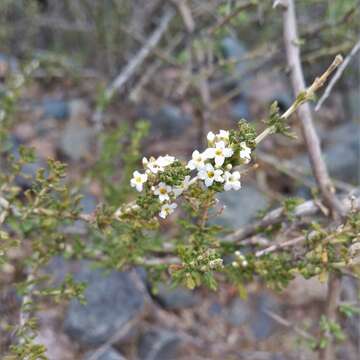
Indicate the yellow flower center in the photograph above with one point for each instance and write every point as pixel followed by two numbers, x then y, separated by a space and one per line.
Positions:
pixel 218 152
pixel 138 179
pixel 210 174
pixel 163 191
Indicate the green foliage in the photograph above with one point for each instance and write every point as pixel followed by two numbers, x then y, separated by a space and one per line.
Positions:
pixel 277 123
pixel 289 206
pixel 331 329
pixel 120 154
pixel 124 234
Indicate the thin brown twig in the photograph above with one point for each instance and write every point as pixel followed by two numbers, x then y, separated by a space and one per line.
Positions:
pixel 337 75
pixel 118 83
pixel 296 172
pixel 306 95
pixel 277 215
pixel 226 19
pixel 279 319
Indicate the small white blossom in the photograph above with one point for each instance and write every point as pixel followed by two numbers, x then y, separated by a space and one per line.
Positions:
pixel 232 181
pixel 219 153
pixel 223 135
pixel 235 264
pixel 163 190
pixel 209 175
pixel 152 165
pixel 164 161
pixel 178 190
pixel 216 263
pixel 211 137
pixel 245 152
pixel 197 161
pixel 167 209
pixel 145 161
pixel 138 180
pixel 244 263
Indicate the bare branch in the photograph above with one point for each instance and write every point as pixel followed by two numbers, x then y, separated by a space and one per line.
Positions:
pixel 306 95
pixel 337 75
pixel 311 138
pixel 333 297
pixel 226 19
pixel 118 83
pixel 276 216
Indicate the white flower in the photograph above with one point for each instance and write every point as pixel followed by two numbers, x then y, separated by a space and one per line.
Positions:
pixel 209 175
pixel 211 137
pixel 167 209
pixel 219 153
pixel 163 191
pixel 145 161
pixel 197 161
pixel 245 152
pixel 232 181
pixel 178 190
pixel 138 180
pixel 152 165
pixel 223 135
pixel 164 161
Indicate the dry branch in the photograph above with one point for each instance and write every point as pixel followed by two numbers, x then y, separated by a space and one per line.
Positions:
pixel 118 83
pixel 337 75
pixel 298 83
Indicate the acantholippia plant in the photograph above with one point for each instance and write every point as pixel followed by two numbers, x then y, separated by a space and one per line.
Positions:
pixel 128 235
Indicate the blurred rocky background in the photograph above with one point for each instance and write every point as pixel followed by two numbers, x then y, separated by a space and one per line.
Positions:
pixel 83 46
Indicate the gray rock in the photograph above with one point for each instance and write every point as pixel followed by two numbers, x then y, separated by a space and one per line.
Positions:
pixel 175 298
pixel 88 203
pixel 239 312
pixel 262 325
pixel 215 309
pixel 76 140
pixel 169 121
pixel 240 109
pixel 252 313
pixel 158 345
pixel 240 206
pixel 344 133
pixel 232 48
pixel 112 301
pixel 7 64
pixel 264 355
pixel 79 109
pixel 58 268
pixel 107 354
pixel 55 109
pixel 341 153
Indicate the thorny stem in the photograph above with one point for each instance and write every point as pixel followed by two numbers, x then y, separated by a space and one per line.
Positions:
pixel 303 97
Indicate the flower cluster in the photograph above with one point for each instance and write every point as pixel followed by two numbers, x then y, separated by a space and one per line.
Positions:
pixel 207 261
pixel 213 166
pixel 165 193
pixel 240 260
